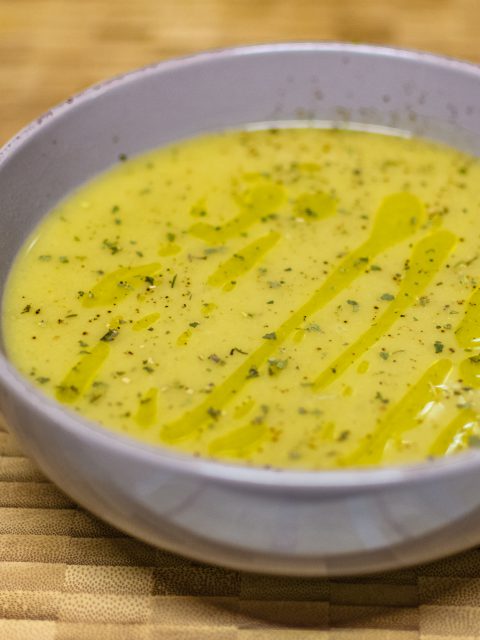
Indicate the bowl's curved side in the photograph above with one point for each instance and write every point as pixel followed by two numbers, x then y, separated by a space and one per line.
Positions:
pixel 251 528
pixel 340 522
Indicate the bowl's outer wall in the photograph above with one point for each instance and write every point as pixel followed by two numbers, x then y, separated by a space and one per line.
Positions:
pixel 322 531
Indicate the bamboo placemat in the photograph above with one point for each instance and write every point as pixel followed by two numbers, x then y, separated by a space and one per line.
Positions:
pixel 64 575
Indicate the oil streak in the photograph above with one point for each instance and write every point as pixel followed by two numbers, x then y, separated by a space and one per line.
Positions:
pixel 447 438
pixel 81 375
pixel 406 414
pixel 426 260
pixel 260 201
pixel 239 442
pixel 243 260
pixel 119 284
pixel 397 218
pixel 468 331
pixel 147 408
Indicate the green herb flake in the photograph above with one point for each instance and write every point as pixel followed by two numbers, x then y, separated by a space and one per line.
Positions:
pixel 211 250
pixel 387 296
pixel 194 324
pixel 275 365
pixel 237 350
pixel 270 336
pixel 110 335
pixel 381 398
pixel 384 355
pixel 214 413
pixel 354 304
pixel 111 246
pixel 439 346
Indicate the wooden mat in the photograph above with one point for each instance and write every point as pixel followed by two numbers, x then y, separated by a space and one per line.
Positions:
pixel 64 575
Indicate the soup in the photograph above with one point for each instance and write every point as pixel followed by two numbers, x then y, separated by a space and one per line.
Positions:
pixel 293 298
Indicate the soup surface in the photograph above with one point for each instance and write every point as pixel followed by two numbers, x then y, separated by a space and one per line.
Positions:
pixel 294 297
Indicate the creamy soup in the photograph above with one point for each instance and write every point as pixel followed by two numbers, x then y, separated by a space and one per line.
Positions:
pixel 295 297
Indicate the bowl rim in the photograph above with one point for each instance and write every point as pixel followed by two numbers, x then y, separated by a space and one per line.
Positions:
pixel 93 434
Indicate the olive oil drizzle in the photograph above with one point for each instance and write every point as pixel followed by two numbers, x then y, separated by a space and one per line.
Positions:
pixel 468 337
pixel 258 202
pixel 243 260
pixel 470 371
pixel 81 375
pixel 146 321
pixel 461 423
pixel 468 331
pixel 147 408
pixel 118 284
pixel 239 442
pixel 397 218
pixel 426 260
pixel 406 414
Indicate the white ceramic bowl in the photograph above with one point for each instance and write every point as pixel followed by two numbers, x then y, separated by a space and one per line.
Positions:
pixel 304 523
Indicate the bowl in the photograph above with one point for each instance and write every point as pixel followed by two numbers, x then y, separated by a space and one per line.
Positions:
pixel 290 522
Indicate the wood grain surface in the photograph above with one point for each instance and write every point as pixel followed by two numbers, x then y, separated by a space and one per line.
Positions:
pixel 50 49
pixel 64 575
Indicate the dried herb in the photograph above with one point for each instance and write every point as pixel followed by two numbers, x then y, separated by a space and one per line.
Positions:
pixel 439 346
pixel 237 350
pixel 110 335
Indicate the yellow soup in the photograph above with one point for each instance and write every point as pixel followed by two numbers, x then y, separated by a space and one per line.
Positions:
pixel 299 298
